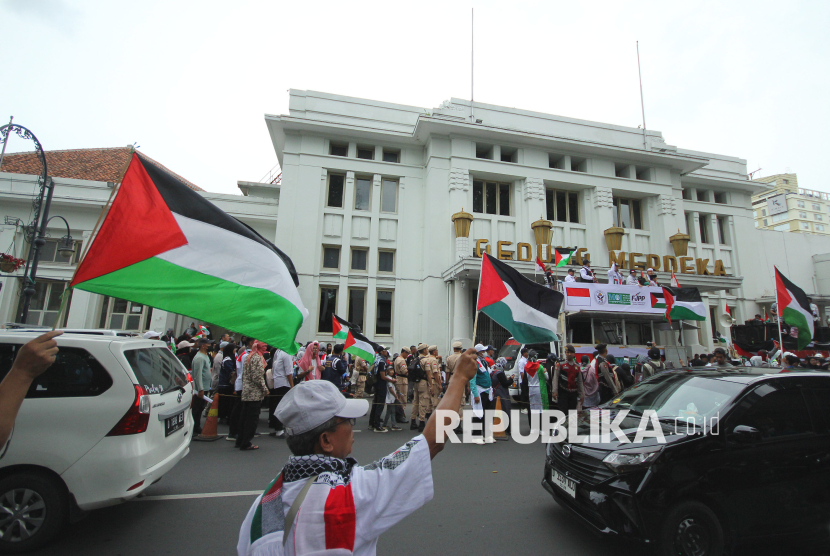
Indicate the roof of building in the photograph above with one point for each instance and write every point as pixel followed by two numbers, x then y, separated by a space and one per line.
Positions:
pixel 106 164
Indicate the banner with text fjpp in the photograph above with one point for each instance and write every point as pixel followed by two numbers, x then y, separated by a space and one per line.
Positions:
pixel 613 298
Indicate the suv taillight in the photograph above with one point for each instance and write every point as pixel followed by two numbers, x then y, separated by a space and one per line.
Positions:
pixel 137 418
pixel 189 377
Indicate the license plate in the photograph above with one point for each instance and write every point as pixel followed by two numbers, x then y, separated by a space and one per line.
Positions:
pixel 566 484
pixel 174 423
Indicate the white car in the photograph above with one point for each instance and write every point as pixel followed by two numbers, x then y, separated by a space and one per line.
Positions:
pixel 108 419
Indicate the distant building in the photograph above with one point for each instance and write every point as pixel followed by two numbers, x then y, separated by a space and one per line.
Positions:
pixel 801 210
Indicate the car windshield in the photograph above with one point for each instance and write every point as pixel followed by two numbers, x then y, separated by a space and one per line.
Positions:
pixel 679 396
pixel 510 351
pixel 156 369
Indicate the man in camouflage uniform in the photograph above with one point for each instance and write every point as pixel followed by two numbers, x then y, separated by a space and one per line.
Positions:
pixel 452 360
pixel 421 402
pixel 433 370
pixel 362 369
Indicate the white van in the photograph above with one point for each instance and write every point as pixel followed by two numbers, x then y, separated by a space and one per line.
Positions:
pixel 109 418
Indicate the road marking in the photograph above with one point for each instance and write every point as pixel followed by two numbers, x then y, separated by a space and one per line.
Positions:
pixel 199 495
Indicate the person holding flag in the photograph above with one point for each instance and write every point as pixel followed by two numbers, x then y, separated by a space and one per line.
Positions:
pixel 614 276
pixel 794 308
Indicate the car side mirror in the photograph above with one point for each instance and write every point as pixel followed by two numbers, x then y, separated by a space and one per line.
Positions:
pixel 744 434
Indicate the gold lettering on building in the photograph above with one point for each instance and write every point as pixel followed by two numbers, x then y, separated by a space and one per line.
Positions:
pixel 479 243
pixel 524 252
pixel 669 259
pixel 504 254
pixel 653 261
pixel 685 268
pixel 634 263
pixel 702 265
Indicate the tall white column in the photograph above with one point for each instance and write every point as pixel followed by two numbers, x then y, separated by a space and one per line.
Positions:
pixel 462 323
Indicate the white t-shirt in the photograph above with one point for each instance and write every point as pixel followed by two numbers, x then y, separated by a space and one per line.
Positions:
pixel 240 364
pixel 632 280
pixel 570 278
pixel 282 367
pixel 520 366
pixel 383 493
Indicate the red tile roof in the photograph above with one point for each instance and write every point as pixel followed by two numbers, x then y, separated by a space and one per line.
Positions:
pixel 106 164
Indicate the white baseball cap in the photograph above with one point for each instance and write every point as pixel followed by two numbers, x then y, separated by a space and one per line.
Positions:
pixel 311 403
pixel 481 347
pixel 151 334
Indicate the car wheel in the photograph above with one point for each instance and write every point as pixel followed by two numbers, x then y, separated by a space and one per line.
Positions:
pixel 33 508
pixel 691 529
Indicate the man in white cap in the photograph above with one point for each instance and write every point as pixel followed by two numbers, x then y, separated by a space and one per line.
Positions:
pixel 614 276
pixel 632 278
pixel 322 501
pixel 652 278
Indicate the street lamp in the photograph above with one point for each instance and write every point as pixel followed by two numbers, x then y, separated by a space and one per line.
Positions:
pixel 66 247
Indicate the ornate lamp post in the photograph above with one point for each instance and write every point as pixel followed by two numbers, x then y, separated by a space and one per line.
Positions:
pixel 40 208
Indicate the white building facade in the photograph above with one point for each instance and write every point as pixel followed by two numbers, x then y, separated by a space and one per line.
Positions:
pixel 369 189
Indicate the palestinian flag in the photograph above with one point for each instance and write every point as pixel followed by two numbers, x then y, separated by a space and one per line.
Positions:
pixel 532 368
pixel 658 300
pixel 685 304
pixel 353 341
pixel 562 256
pixel 526 309
pixel 794 308
pixel 164 245
pixel 203 332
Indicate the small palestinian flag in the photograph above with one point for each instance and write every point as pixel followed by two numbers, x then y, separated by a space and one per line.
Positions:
pixel 686 304
pixel 562 256
pixel 353 341
pixel 794 308
pixel 164 245
pixel 203 332
pixel 526 309
pixel 658 300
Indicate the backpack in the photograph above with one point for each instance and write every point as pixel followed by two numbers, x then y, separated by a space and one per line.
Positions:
pixel 653 368
pixel 414 371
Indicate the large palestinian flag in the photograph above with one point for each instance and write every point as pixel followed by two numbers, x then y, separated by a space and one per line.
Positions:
pixel 526 309
pixel 164 245
pixel 353 341
pixel 682 304
pixel 794 308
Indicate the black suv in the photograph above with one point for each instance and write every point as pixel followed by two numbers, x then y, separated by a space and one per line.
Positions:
pixel 747 456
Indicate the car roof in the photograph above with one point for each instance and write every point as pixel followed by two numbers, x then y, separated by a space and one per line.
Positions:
pixel 749 376
pixel 17 336
pixel 87 331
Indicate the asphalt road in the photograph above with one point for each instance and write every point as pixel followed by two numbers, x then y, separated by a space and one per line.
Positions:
pixel 488 500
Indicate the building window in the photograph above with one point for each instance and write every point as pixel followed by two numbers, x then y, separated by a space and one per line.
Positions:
pixel 643 173
pixel 819 227
pixel 786 181
pixel 802 215
pixel 687 194
pixel 556 161
pixel 756 223
pixel 763 212
pixel 336 186
pixel 562 206
pixel 800 204
pixel 362 193
pixel 389 196
pixel 766 222
pixel 805 225
pixel 383 322
pixel 817 216
pixel 120 314
pixel 328 304
pixel 782 228
pixel 720 198
pixel 702 195
pixel 509 154
pixel 816 207
pixel 359 257
pixel 704 237
pixel 780 217
pixel 49 252
pixel 365 152
pixel 391 155
pixel 628 213
pixel 331 257
pixel 484 151
pixel 339 149
pixel 491 198
pixel 386 261
pixel 357 306
pixel 45 304
pixel 722 230
pixel 579 164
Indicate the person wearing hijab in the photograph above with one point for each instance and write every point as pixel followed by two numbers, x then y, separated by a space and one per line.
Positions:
pixel 310 366
pixel 501 389
pixel 254 390
pixel 535 374
pixel 590 383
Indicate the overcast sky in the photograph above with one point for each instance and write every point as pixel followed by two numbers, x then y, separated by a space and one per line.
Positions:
pixel 190 82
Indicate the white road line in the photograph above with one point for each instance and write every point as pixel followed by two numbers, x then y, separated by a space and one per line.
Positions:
pixel 199 495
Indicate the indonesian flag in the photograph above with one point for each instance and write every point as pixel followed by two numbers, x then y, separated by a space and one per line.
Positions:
pixel 562 255
pixel 674 282
pixel 794 308
pixel 164 245
pixel 354 342
pixel 766 315
pixel 540 266
pixel 728 312
pixel 526 309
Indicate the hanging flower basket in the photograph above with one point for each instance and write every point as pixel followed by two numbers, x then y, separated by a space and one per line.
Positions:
pixel 9 263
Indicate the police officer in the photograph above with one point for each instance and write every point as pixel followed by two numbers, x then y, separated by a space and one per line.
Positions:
pixel 452 361
pixel 434 369
pixel 421 403
pixel 401 373
pixel 362 370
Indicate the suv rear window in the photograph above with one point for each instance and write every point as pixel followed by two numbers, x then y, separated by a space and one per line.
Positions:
pixel 156 369
pixel 75 373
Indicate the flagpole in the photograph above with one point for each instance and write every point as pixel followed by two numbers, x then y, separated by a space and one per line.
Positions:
pixel 778 313
pixel 66 294
pixel 478 294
